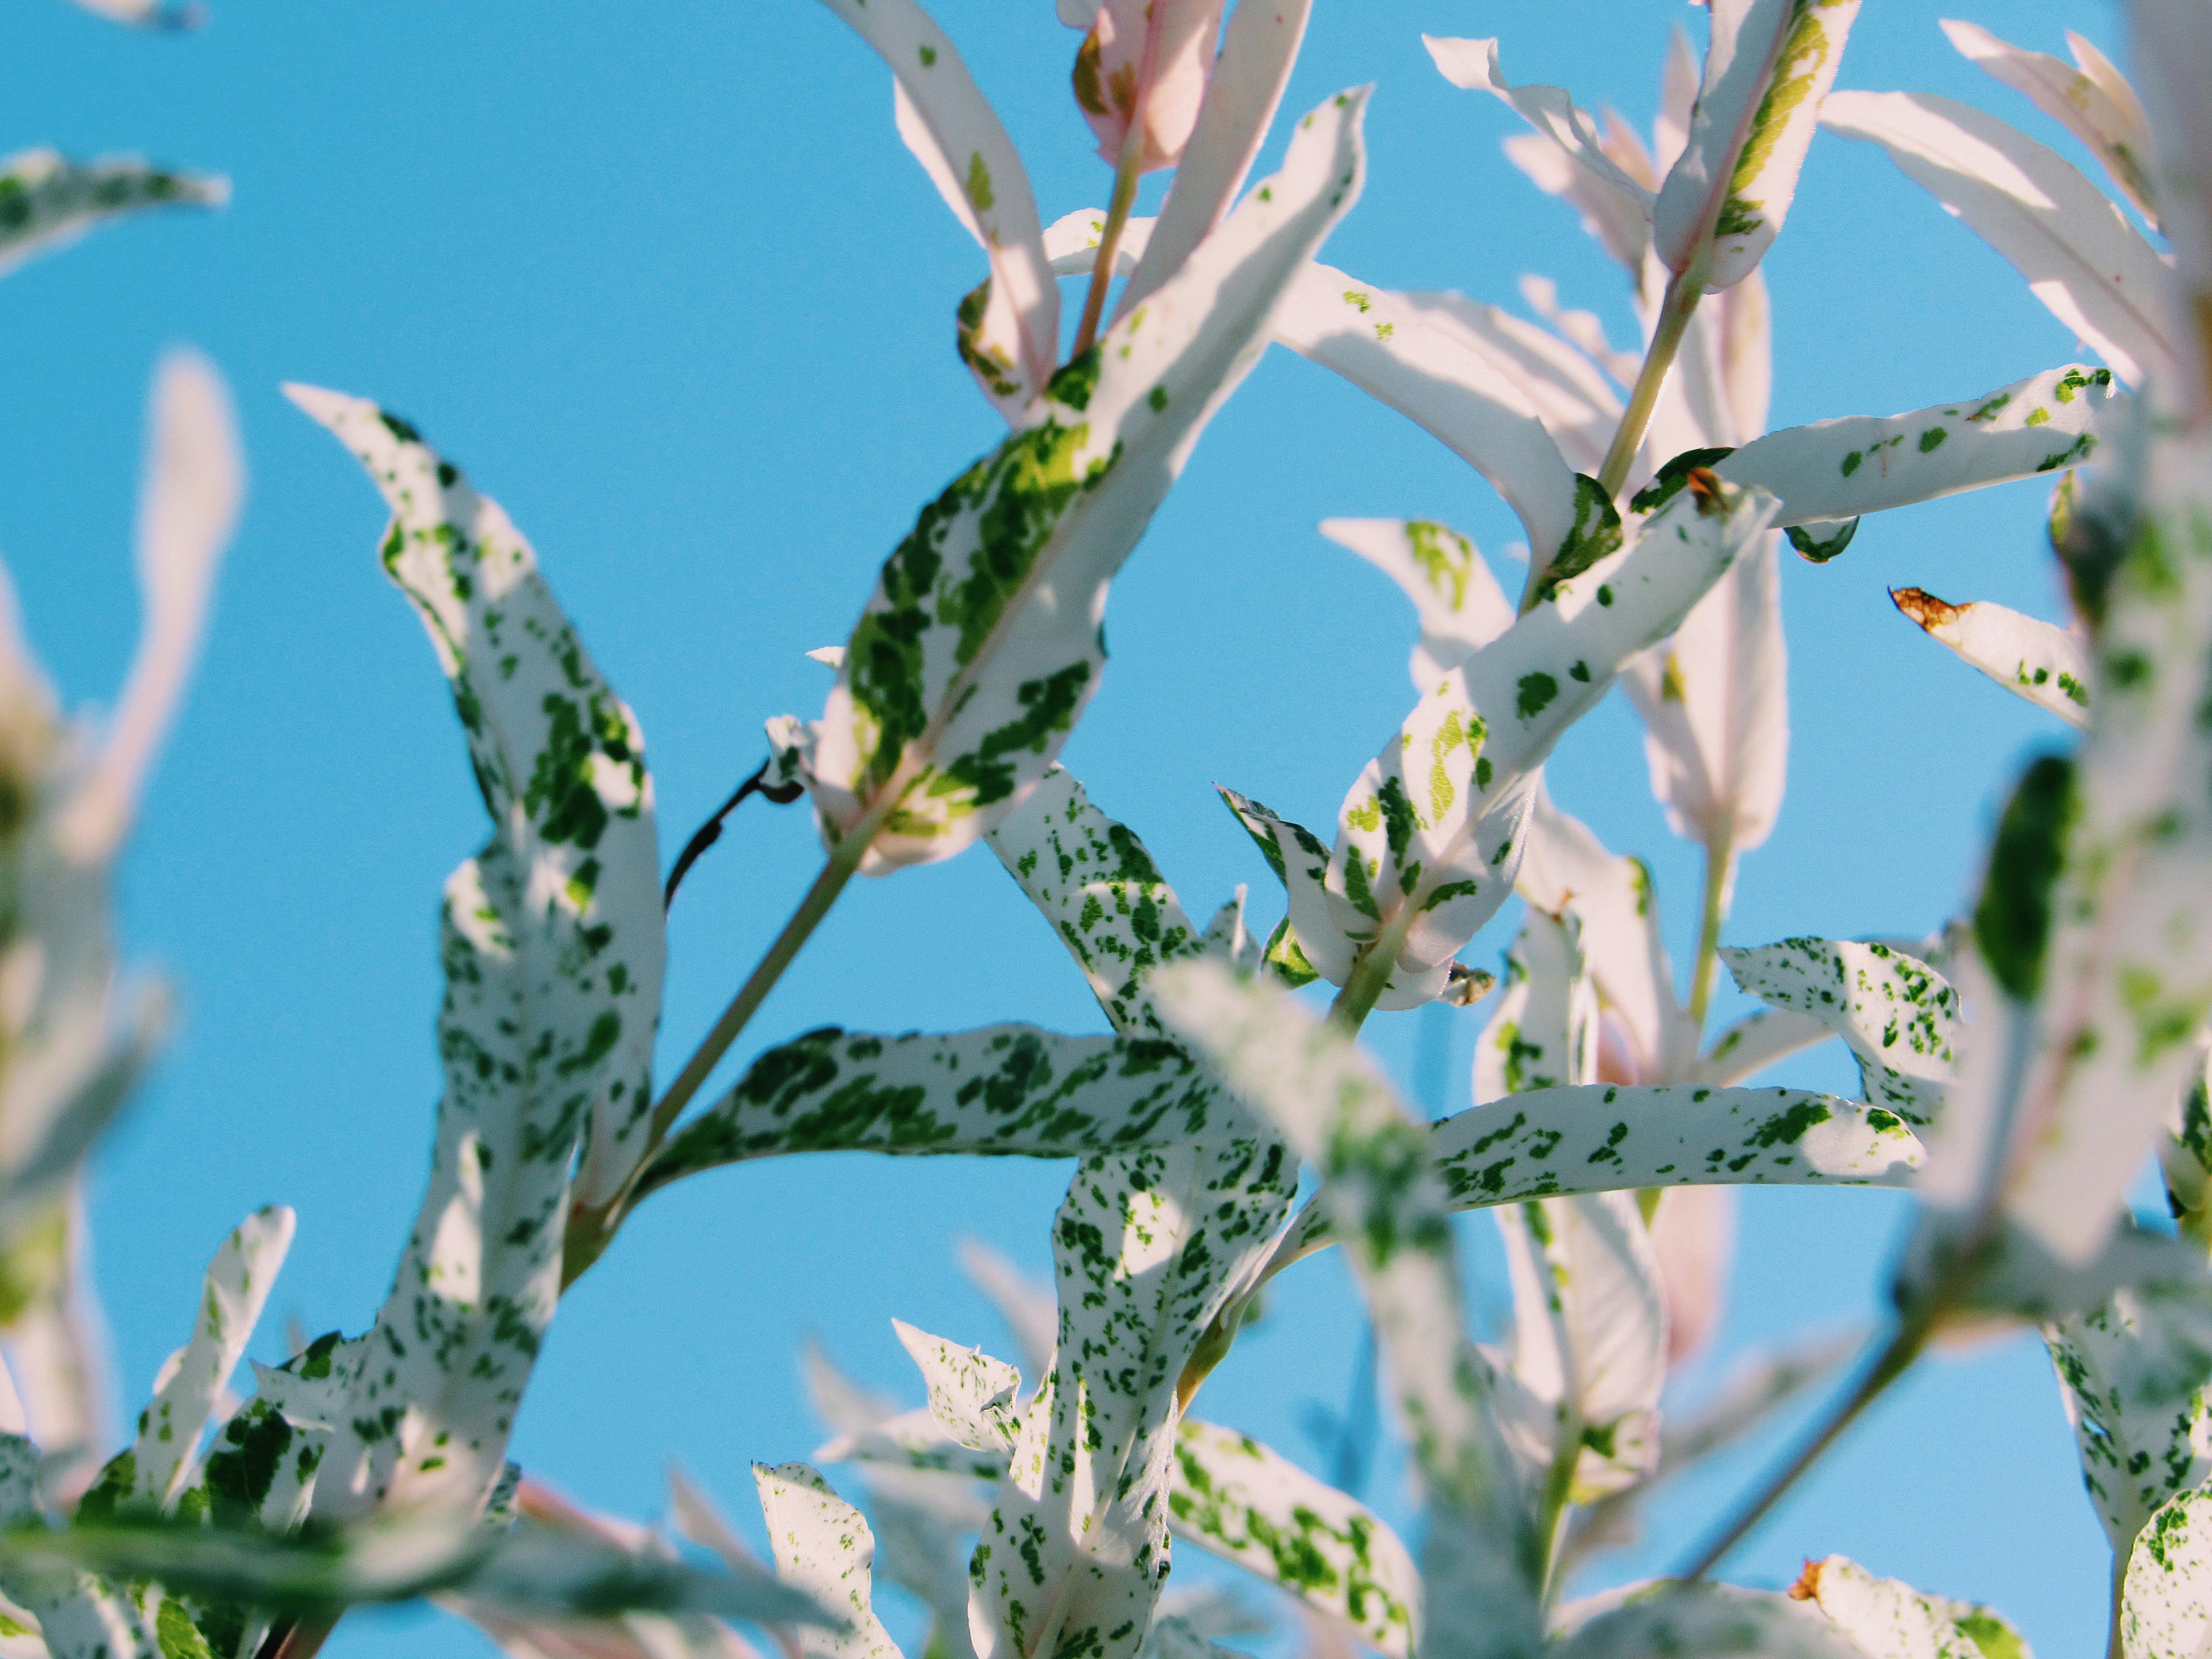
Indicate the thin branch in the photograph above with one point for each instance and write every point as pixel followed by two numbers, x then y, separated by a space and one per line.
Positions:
pixel 711 831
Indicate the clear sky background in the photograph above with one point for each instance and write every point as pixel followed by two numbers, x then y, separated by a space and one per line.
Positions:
pixel 664 280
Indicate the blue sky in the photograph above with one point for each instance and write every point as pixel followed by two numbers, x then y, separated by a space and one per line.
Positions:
pixel 664 280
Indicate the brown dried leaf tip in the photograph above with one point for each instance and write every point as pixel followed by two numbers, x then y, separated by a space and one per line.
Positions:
pixel 1705 486
pixel 1807 1587
pixel 1924 608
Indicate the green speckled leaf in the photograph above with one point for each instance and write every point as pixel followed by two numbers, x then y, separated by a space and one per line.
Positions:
pixel 1237 1499
pixel 1148 1247
pixel 2137 1375
pixel 2045 664
pixel 2166 1599
pixel 1840 469
pixel 1378 341
pixel 47 201
pixel 1460 606
pixel 824 1547
pixel 970 1394
pixel 553 948
pixel 1713 1621
pixel 1380 1189
pixel 2088 97
pixel 980 646
pixel 1770 64
pixel 1887 1617
pixel 950 127
pixel 1899 1016
pixel 2079 253
pixel 1002 1090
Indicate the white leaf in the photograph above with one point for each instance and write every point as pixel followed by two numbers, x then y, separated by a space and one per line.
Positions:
pixel 1570 394
pixel 1694 1617
pixel 2166 1598
pixel 950 127
pixel 1460 606
pixel 1885 1618
pixel 1756 1041
pixel 2045 664
pixel 188 506
pixel 1617 219
pixel 1693 1237
pixel 2088 97
pixel 1071 242
pixel 971 1394
pixel 1769 66
pixel 2171 38
pixel 823 1547
pixel 59 200
pixel 1834 470
pixel 2081 256
pixel 1898 1016
pixel 1246 1503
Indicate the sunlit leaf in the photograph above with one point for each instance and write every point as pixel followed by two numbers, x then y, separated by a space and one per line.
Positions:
pixel 1898 1016
pixel 2088 97
pixel 48 201
pixel 2045 664
pixel 1460 606
pixel 1718 1621
pixel 823 1547
pixel 1888 1618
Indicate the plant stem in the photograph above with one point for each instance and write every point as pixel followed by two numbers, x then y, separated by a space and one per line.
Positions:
pixel 816 905
pixel 1720 881
pixel 1892 1361
pixel 1684 291
pixel 305 1637
pixel 1125 175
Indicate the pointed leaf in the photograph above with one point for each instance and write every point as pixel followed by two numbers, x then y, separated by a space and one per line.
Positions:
pixel 1461 605
pixel 2045 664
pixel 950 127
pixel 1679 1616
pixel 980 646
pixel 2081 256
pixel 1002 1090
pixel 1758 1041
pixel 1884 1618
pixel 1769 66
pixel 47 201
pixel 823 1547
pixel 2165 1601
pixel 1568 392
pixel 553 948
pixel 971 1394
pixel 1898 1016
pixel 1246 1503
pixel 2088 97
pixel 1379 1189
pixel 1834 470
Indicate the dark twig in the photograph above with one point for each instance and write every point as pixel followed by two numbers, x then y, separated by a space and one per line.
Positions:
pixel 711 831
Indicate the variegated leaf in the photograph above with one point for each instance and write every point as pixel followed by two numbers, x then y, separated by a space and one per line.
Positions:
pixel 48 201
pixel 824 1547
pixel 164 1458
pixel 1242 1502
pixel 981 644
pixel 2166 1595
pixel 2081 256
pixel 1004 1089
pixel 1756 1041
pixel 1379 1190
pixel 2171 38
pixel 1460 606
pixel 1692 1616
pixel 1569 393
pixel 1837 470
pixel 1769 66
pixel 1148 1247
pixel 1898 1016
pixel 1100 891
pixel 2088 97
pixel 1888 1618
pixel 970 1394
pixel 2136 1374
pixel 1378 341
pixel 2185 1156
pixel 1246 86
pixel 553 949
pixel 2045 664
pixel 1014 340
pixel 1141 75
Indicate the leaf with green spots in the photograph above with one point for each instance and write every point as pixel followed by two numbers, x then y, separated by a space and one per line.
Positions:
pixel 2166 1594
pixel 1005 1089
pixel 980 646
pixel 1380 343
pixel 2081 257
pixel 1898 1016
pixel 1835 470
pixel 2136 1376
pixel 164 1459
pixel 945 120
pixel 1460 606
pixel 1239 1500
pixel 970 1394
pixel 48 201
pixel 1148 1247
pixel 1381 1190
pixel 1767 70
pixel 1887 1617
pixel 2045 664
pixel 1098 887
pixel 823 1547
pixel 2088 97
pixel 1692 1616
pixel 552 944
